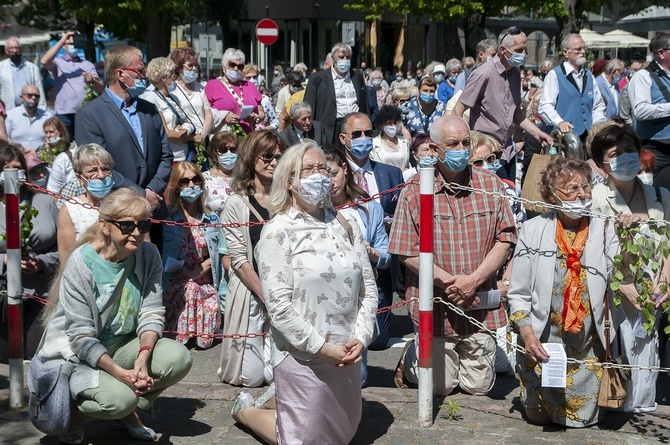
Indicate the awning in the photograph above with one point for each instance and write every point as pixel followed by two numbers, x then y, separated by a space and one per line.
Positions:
pixel 627 39
pixel 31 39
pixel 593 40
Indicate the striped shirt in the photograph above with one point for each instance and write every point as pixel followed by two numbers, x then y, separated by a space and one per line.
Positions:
pixel 467 226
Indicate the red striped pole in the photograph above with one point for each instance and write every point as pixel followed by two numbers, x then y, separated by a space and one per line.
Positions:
pixel 427 177
pixel 14 287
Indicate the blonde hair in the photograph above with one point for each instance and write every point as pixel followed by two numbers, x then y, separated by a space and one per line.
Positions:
pixel 159 68
pixel 287 171
pixel 477 139
pixel 118 58
pixel 173 199
pixel 122 203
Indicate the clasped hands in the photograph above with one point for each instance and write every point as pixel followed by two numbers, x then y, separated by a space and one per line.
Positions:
pixel 342 355
pixel 138 378
pixel 460 290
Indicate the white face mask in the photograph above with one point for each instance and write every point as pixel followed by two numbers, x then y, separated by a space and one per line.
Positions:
pixel 646 178
pixel 314 188
pixel 391 130
pixel 625 166
pixel 574 209
pixel 54 140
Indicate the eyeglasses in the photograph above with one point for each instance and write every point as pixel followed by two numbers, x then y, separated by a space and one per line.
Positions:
pixel 128 227
pixel 191 66
pixel 511 32
pixel 184 182
pixel 453 144
pixel 226 149
pixel 358 133
pixel 96 172
pixel 251 77
pixel 267 157
pixel 307 171
pixel 233 65
pixel 480 162
pixel 577 50
pixel 574 189
pixel 32 95
pixel 142 72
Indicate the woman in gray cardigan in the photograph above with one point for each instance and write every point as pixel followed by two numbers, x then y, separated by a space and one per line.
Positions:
pixel 108 318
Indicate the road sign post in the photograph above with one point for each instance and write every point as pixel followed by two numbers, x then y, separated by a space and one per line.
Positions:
pixel 267 32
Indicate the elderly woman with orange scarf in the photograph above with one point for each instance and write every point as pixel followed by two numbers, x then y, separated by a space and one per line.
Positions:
pixel 556 295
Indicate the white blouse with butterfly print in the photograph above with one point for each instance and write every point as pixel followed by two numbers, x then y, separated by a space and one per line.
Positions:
pixel 317 286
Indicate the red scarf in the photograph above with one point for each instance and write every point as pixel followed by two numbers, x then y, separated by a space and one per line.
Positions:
pixel 573 309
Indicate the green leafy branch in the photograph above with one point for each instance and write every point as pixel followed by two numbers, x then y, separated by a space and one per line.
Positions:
pixel 29 212
pixel 452 410
pixel 49 153
pixel 639 256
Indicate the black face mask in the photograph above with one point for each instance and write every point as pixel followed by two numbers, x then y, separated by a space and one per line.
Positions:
pixel 16 59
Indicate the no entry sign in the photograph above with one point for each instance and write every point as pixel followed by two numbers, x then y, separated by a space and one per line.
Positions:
pixel 267 31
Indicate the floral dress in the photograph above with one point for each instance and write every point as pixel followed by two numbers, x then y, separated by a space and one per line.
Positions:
pixel 577 404
pixel 192 306
pixel 416 121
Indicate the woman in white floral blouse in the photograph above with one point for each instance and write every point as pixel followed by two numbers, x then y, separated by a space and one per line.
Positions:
pixel 321 296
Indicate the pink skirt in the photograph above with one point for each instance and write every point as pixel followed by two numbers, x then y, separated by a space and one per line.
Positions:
pixel 317 402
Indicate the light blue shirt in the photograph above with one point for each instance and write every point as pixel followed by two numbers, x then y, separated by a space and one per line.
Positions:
pixel 25 130
pixel 130 113
pixel 20 79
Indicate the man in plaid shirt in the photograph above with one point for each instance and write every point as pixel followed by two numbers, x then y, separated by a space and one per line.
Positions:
pixel 474 234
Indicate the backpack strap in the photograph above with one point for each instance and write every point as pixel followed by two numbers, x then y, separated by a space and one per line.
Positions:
pixel 347 227
pixel 654 71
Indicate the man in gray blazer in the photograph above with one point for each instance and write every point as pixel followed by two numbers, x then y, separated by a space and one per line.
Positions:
pixel 130 129
pixel 302 126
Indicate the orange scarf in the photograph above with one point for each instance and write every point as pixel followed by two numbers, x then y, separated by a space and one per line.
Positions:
pixel 573 309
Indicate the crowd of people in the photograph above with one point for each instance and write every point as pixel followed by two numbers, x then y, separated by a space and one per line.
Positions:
pixel 272 160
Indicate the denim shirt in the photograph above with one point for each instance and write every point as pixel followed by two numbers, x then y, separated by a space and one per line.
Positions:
pixel 172 238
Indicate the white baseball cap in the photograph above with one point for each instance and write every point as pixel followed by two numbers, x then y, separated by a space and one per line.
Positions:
pixel 440 69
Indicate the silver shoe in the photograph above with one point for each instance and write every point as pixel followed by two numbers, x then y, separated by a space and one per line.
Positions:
pixel 139 432
pixel 265 397
pixel 243 400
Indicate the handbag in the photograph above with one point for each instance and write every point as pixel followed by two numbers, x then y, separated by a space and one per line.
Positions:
pixel 614 383
pixel 49 403
pixel 531 187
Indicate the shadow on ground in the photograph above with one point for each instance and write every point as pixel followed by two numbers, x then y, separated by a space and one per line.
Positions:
pixel 375 423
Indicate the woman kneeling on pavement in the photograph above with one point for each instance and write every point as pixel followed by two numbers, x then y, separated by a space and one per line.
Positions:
pixel 564 306
pixel 321 296
pixel 108 317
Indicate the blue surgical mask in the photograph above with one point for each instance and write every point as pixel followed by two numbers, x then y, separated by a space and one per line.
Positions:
pixel 30 105
pixel 452 79
pixel 233 75
pixel 189 76
pixel 190 194
pixel 427 161
pixel 625 167
pixel 136 90
pixel 439 78
pixel 361 147
pixel 489 58
pixel 72 51
pixel 227 160
pixel 493 167
pixel 516 60
pixel 100 187
pixel 456 160
pixel 343 66
pixel 427 97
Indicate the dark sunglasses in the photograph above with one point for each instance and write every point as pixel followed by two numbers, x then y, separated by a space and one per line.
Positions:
pixel 128 227
pixel 512 32
pixel 239 66
pixel 183 182
pixel 32 95
pixel 226 149
pixel 267 157
pixel 358 133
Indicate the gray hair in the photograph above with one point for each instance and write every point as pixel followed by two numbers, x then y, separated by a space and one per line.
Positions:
pixel 660 41
pixel 614 65
pixel 298 108
pixel 231 54
pixel 13 38
pixel 328 61
pixel 453 63
pixel 300 67
pixel 437 130
pixel 88 154
pixel 159 68
pixel 287 170
pixel 547 64
pixel 485 44
pixel 506 37
pixel 341 46
pixel 565 43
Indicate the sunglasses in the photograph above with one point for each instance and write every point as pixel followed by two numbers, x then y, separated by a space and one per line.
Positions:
pixel 183 182
pixel 358 133
pixel 128 227
pixel 512 32
pixel 239 66
pixel 31 95
pixel 490 159
pixel 267 157
pixel 226 149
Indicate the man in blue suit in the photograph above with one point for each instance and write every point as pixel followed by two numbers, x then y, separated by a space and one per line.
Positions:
pixel 373 177
pixel 609 89
pixel 130 129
